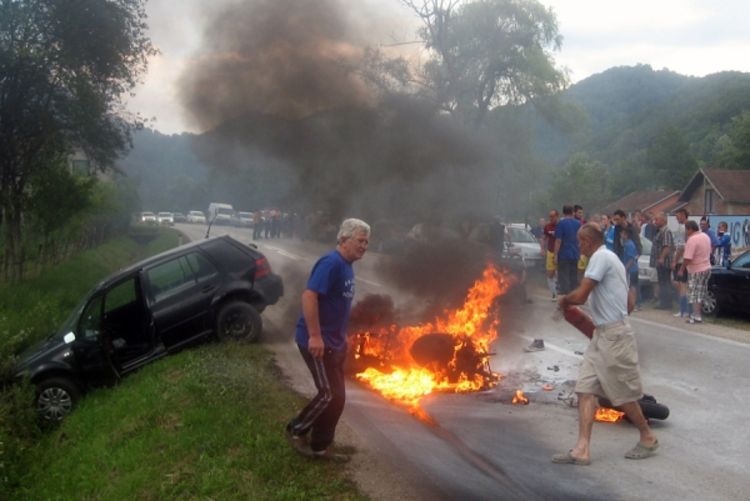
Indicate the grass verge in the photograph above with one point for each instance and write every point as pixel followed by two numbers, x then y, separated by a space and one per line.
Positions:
pixel 34 308
pixel 206 423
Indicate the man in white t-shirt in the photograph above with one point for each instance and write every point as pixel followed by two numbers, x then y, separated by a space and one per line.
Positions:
pixel 610 364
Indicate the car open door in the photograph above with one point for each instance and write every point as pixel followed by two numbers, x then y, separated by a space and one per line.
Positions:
pixel 91 347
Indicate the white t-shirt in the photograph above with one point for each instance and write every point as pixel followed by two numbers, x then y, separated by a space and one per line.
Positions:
pixel 609 298
pixel 680 237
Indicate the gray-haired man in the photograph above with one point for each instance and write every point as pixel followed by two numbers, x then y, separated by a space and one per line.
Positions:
pixel 321 338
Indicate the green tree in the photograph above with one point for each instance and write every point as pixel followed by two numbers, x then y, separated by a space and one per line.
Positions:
pixel 64 65
pixel 487 53
pixel 582 181
pixel 734 147
pixel 669 160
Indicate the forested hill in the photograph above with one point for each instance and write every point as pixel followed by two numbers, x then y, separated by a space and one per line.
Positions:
pixel 626 117
pixel 637 127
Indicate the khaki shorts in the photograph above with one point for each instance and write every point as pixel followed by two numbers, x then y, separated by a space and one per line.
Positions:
pixel 610 365
pixel 550 264
pixel 583 261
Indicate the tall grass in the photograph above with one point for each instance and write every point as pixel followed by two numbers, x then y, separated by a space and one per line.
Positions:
pixel 33 309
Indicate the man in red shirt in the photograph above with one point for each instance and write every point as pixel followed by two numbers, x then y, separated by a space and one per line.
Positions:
pixel 697 261
pixel 548 250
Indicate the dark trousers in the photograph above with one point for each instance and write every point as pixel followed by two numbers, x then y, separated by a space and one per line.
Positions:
pixel 321 415
pixel 665 287
pixel 567 275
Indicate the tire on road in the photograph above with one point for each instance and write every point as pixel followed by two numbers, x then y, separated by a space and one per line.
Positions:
pixel 55 399
pixel 239 321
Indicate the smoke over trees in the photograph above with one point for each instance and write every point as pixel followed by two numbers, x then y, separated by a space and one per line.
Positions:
pixel 296 88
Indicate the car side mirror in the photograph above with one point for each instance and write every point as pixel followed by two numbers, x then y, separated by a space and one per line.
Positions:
pixel 69 338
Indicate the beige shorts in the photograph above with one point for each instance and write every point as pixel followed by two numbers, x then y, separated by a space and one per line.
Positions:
pixel 610 365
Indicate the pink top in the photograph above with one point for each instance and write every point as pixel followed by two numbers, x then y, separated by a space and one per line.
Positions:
pixel 698 250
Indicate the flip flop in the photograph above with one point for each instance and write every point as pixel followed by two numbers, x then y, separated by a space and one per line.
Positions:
pixel 569 458
pixel 641 451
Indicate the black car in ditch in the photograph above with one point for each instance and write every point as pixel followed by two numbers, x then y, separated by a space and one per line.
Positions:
pixel 215 287
pixel 729 287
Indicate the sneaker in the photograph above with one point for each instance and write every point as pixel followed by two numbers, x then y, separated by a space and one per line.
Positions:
pixel 677 315
pixel 329 455
pixel 536 345
pixel 298 442
pixel 694 320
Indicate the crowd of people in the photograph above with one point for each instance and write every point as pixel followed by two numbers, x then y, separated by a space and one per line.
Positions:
pixel 682 257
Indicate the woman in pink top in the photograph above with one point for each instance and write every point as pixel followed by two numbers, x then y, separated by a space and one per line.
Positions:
pixel 697 259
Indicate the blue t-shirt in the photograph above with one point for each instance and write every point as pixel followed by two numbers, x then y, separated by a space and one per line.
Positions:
pixel 566 232
pixel 630 252
pixel 609 238
pixel 332 278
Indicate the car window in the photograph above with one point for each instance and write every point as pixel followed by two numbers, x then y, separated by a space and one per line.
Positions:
pixel 90 323
pixel 200 266
pixel 519 235
pixel 120 295
pixel 169 278
pixel 742 262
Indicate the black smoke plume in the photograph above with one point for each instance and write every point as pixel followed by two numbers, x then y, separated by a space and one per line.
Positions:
pixel 280 85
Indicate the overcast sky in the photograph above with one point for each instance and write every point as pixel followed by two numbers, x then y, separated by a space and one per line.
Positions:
pixel 691 37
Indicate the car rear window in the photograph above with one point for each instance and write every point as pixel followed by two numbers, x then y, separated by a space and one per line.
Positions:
pixel 230 254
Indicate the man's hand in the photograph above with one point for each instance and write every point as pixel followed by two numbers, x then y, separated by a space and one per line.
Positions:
pixel 316 347
pixel 561 302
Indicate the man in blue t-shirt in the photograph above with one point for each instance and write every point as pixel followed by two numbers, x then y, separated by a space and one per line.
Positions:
pixel 321 338
pixel 566 251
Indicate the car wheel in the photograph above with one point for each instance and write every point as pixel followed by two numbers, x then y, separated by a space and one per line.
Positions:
pixel 56 398
pixel 239 321
pixel 710 303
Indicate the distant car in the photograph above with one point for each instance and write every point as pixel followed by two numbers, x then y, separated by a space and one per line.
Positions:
pixel 179 217
pixel 148 218
pixel 729 287
pixel 523 242
pixel 196 216
pixel 245 219
pixel 216 287
pixel 646 273
pixel 165 218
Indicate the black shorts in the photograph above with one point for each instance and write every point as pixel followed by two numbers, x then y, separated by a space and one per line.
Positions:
pixel 679 277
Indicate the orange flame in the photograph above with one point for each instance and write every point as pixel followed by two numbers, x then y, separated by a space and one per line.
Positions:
pixel 398 376
pixel 520 398
pixel 607 415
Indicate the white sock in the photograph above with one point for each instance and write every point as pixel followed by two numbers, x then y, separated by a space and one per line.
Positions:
pixel 552 285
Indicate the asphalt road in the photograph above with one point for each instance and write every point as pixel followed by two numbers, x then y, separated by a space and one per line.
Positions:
pixel 485 448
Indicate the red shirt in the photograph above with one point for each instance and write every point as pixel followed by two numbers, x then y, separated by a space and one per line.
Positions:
pixel 549 233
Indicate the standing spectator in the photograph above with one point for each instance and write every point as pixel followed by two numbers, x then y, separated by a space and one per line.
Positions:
pixel 566 251
pixel 610 364
pixel 619 221
pixel 538 230
pixel 679 276
pixel 630 257
pixel 661 259
pixel 705 226
pixel 649 229
pixel 696 259
pixel 321 339
pixel 582 260
pixel 637 221
pixel 608 229
pixel 548 251
pixel 723 244
pixel 257 224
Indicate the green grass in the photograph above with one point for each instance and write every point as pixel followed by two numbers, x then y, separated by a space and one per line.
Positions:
pixel 206 423
pixel 35 308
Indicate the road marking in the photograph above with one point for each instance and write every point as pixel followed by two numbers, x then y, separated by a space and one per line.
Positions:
pixel 707 337
pixel 369 282
pixel 555 348
pixel 283 252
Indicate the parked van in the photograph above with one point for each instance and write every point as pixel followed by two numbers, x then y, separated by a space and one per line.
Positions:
pixel 221 214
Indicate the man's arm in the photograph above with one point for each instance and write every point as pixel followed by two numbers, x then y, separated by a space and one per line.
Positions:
pixel 579 295
pixel 312 320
